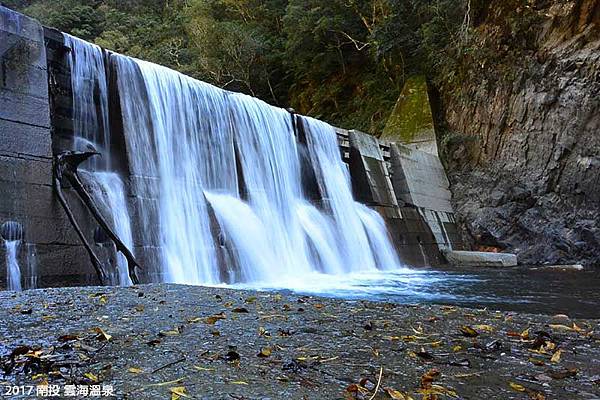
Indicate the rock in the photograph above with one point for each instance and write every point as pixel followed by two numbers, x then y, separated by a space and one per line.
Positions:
pixel 480 259
pixel 528 129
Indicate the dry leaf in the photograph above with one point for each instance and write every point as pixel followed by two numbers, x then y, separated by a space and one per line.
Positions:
pixel 556 356
pixel 485 328
pixel 264 352
pixel 214 318
pixel 468 331
pixel 517 387
pixel 101 334
pixel 397 395
pixel 135 370
pixel 92 377
pixel 178 392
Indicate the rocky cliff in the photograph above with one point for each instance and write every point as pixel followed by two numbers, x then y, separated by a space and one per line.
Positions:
pixel 522 143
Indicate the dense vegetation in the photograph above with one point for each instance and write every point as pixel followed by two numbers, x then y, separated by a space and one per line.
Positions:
pixel 341 60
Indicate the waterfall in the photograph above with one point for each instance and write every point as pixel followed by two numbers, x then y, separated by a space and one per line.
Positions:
pixel 219 180
pixel 91 127
pixel 13 272
pixel 111 191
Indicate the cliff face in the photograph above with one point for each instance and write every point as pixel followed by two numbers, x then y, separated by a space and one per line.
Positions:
pixel 524 155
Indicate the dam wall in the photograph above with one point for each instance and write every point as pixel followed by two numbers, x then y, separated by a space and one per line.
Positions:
pixel 407 187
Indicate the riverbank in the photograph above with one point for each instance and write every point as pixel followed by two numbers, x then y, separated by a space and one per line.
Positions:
pixel 174 341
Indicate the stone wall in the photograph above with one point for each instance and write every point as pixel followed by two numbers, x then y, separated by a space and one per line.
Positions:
pixel 26 190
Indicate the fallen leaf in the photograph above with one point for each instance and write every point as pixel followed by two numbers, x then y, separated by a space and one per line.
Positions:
pixel 177 392
pixel 194 320
pixel 428 378
pixel 536 361
pixel 468 331
pixel 485 328
pixel 239 383
pixel 214 318
pixel 516 387
pixel 135 370
pixel 92 377
pixel 396 395
pixel 565 373
pixel 265 352
pixel 240 310
pixel 556 356
pixel 173 332
pixel 67 338
pixel 101 334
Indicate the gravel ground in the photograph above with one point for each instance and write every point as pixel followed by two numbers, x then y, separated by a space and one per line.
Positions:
pixel 174 341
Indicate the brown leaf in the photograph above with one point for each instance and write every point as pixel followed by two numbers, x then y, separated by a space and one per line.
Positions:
pixel 68 338
pixel 214 318
pixel 240 310
pixel 101 334
pixel 562 374
pixel 428 378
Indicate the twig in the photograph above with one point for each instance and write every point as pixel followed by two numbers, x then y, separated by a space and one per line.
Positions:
pixel 169 365
pixel 378 383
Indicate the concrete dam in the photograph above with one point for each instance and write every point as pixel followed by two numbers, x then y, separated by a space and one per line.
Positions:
pixel 115 171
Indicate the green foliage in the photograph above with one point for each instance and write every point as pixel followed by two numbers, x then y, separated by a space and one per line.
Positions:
pixel 341 60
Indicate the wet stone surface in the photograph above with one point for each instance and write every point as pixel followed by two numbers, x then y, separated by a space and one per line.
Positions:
pixel 173 341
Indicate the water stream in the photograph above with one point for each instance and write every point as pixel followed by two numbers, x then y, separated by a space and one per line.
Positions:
pixel 91 127
pixel 13 271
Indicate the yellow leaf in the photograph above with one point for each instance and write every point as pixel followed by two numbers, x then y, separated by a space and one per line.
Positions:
pixel 194 320
pixel 103 299
pixel 457 348
pixel 556 356
pixel 38 376
pixel 91 377
pixel 177 392
pixel 525 334
pixel 516 387
pixel 265 352
pixel 173 332
pixel 134 370
pixel 485 328
pixel 239 383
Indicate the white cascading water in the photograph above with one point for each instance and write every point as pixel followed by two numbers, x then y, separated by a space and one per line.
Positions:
pixel 92 133
pixel 193 148
pixel 13 271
